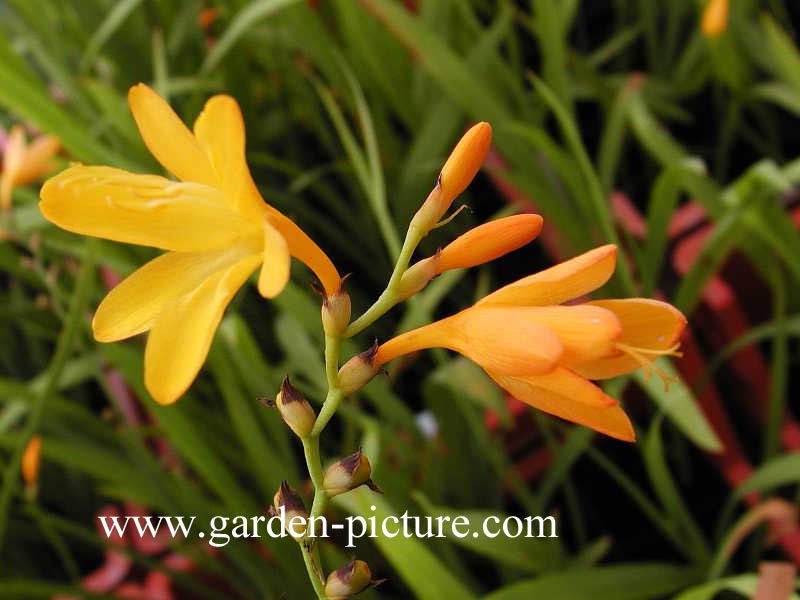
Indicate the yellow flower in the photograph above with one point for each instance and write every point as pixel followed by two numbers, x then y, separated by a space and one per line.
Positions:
pixel 214 224
pixel 544 353
pixel 715 18
pixel 31 461
pixel 23 163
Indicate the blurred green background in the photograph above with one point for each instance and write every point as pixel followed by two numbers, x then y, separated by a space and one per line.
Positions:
pixel 618 120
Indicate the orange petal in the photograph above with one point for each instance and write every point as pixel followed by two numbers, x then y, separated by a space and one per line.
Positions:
pixel 168 139
pixel 38 159
pixel 220 132
pixel 277 262
pixel 610 420
pixel 499 340
pixel 563 282
pixel 647 324
pixel 489 241
pixel 141 209
pixel 304 249
pixel 182 334
pixel 715 18
pixel 13 159
pixel 586 332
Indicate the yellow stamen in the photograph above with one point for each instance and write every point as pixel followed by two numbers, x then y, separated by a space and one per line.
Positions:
pixel 646 356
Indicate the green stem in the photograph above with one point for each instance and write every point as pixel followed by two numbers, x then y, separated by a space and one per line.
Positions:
pixel 388 297
pixel 80 297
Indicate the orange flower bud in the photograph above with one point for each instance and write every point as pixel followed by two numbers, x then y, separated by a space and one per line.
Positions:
pixel 417 276
pixel 715 18
pixel 31 460
pixel 347 474
pixel 458 171
pixel 489 241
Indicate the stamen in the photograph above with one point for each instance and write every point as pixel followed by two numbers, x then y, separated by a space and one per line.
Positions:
pixel 646 356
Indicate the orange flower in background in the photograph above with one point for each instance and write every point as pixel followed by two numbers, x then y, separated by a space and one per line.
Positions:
pixel 213 222
pixel 31 461
pixel 544 353
pixel 715 18
pixel 24 163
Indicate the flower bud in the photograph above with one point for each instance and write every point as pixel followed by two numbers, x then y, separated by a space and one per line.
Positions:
pixel 348 580
pixel 458 171
pixel 31 460
pixel 348 474
pixel 715 18
pixel 296 517
pixel 295 409
pixel 336 313
pixel 417 276
pixel 358 371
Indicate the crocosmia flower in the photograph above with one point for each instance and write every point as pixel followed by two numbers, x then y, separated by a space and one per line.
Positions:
pixel 544 352
pixel 24 163
pixel 213 223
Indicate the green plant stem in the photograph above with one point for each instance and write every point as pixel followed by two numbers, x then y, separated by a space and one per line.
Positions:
pixel 80 297
pixel 389 297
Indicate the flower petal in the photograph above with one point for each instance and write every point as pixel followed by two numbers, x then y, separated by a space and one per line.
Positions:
pixel 168 139
pixel 277 262
pixel 220 132
pixel 646 324
pixel 133 305
pixel 501 340
pixel 13 158
pixel 140 209
pixel 586 332
pixel 38 159
pixel 563 282
pixel 610 420
pixel 304 249
pixel 182 334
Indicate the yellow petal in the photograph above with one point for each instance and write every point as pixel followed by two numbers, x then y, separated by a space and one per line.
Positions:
pixel 277 262
pixel 133 305
pixel 140 209
pixel 220 132
pixel 168 139
pixel 304 249
pixel 561 283
pixel 586 332
pixel 715 18
pixel 489 241
pixel 610 420
pixel 13 158
pixel 646 324
pixel 182 334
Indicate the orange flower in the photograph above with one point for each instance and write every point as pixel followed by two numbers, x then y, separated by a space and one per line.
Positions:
pixel 715 18
pixel 24 163
pixel 31 460
pixel 215 226
pixel 544 353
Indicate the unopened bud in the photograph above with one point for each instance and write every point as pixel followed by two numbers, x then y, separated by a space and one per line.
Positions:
pixel 348 580
pixel 417 276
pixel 348 474
pixel 296 517
pixel 715 18
pixel 336 313
pixel 295 409
pixel 358 371
pixel 31 460
pixel 458 171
